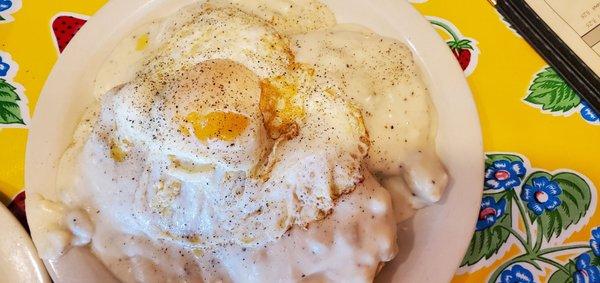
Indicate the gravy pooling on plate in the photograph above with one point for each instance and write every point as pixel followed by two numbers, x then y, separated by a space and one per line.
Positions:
pixel 247 141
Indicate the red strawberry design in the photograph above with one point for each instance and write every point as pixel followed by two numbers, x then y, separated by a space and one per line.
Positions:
pixel 463 57
pixel 462 51
pixel 65 28
pixel 17 207
pixel 461 47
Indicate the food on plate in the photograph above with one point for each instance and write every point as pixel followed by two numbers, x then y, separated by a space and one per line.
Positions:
pixel 246 141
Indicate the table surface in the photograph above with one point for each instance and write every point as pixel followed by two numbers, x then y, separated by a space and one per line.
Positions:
pixel 538 219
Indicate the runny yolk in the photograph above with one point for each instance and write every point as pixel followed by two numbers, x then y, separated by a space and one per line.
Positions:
pixel 142 42
pixel 218 125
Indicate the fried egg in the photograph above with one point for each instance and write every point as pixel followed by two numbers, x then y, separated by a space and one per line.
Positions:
pixel 223 157
pixel 288 17
pixel 324 160
pixel 207 114
pixel 203 32
pixel 192 35
pixel 208 139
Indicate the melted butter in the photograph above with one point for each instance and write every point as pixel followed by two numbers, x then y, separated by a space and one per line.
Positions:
pixel 142 42
pixel 225 126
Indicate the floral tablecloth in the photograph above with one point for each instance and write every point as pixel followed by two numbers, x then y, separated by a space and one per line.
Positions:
pixel 538 220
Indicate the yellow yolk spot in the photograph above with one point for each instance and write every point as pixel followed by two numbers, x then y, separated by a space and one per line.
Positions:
pixel 183 129
pixel 278 44
pixel 142 42
pixel 198 252
pixel 190 167
pixel 330 92
pixel 283 222
pixel 192 239
pixel 281 102
pixel 247 239
pixel 225 126
pixel 117 151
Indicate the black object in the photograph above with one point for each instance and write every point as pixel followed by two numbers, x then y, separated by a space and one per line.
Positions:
pixel 553 49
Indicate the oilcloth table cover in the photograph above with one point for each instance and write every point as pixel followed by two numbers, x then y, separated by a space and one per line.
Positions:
pixel 538 220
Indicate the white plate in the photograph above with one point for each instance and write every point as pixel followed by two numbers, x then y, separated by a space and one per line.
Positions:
pixel 431 244
pixel 19 261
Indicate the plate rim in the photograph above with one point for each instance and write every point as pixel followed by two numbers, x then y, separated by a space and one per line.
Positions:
pixel 19 251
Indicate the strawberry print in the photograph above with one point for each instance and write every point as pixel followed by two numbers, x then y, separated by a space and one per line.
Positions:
pixel 464 49
pixel 17 207
pixel 462 52
pixel 64 28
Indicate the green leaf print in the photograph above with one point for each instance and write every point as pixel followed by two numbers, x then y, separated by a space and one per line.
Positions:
pixel 487 242
pixel 551 92
pixel 491 158
pixel 10 112
pixel 560 276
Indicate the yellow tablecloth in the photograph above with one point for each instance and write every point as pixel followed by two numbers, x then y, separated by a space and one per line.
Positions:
pixel 538 213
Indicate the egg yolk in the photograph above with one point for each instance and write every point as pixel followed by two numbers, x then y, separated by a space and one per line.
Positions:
pixel 225 126
pixel 118 151
pixel 280 104
pixel 142 42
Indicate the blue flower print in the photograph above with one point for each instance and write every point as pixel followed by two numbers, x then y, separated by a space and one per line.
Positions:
pixel 490 212
pixel 503 174
pixel 586 272
pixel 4 67
pixel 541 195
pixel 595 241
pixel 588 113
pixel 5 5
pixel 516 274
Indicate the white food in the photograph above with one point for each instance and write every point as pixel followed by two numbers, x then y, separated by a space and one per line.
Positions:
pixel 379 75
pixel 246 141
